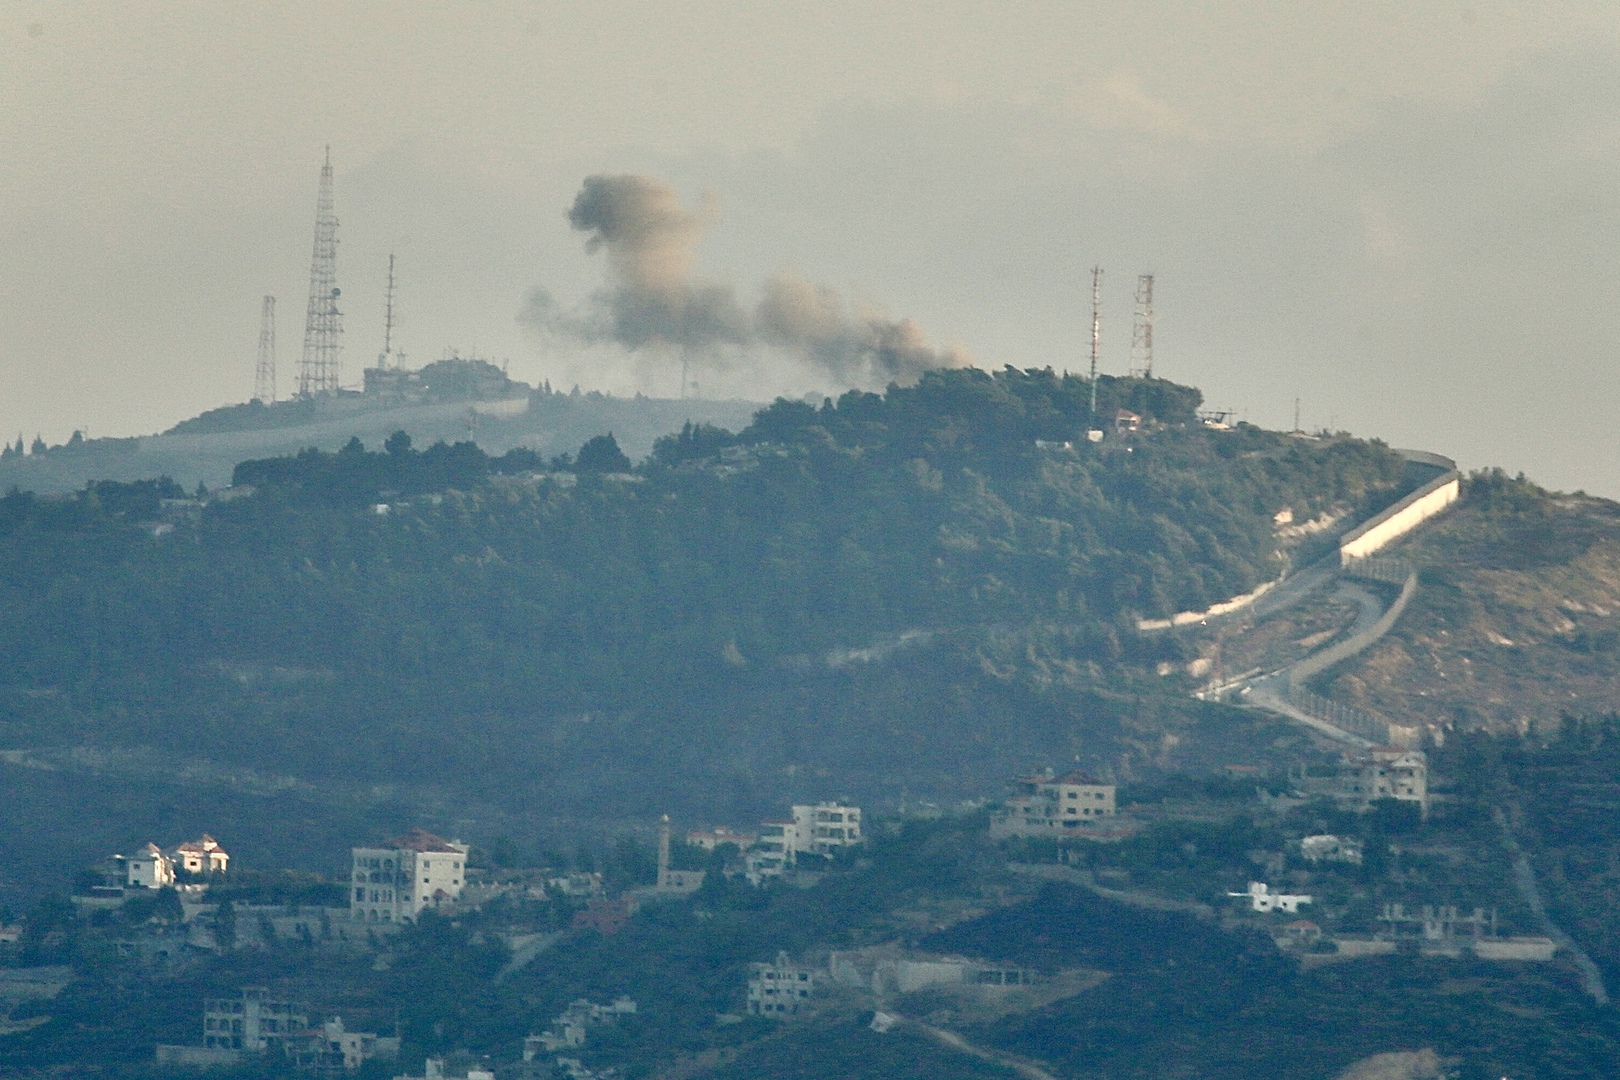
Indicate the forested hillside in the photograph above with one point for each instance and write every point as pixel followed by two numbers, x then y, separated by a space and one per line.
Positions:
pixel 912 592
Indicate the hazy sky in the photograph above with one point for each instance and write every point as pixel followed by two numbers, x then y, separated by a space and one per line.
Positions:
pixel 1404 214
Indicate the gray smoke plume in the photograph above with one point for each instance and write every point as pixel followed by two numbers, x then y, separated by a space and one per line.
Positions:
pixel 652 299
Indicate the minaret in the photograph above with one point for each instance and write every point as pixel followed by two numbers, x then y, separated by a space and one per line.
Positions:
pixel 663 852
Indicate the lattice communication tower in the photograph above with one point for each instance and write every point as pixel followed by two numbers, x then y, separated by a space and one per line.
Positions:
pixel 264 375
pixel 323 323
pixel 1142 335
pixel 388 358
pixel 1096 333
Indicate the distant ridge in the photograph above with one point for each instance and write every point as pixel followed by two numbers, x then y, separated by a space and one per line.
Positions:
pixel 450 400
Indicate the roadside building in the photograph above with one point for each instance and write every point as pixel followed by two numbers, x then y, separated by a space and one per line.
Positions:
pixel 1052 807
pixel 782 988
pixel 398 880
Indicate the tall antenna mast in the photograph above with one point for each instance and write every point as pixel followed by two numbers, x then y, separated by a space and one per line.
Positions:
pixel 323 322
pixel 1096 333
pixel 388 318
pixel 1142 335
pixel 264 376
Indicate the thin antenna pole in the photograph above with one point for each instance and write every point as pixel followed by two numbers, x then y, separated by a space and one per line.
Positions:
pixel 388 318
pixel 1096 333
pixel 1142 334
pixel 1296 416
pixel 264 375
pixel 683 374
pixel 323 322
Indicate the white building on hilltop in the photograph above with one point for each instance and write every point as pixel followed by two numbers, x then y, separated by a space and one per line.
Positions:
pixel 395 882
pixel 1054 807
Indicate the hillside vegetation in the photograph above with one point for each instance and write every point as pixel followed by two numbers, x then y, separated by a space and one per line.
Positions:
pixel 919 591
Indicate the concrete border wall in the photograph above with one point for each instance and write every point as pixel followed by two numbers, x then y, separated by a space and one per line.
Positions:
pixel 1383 529
pixel 1311 665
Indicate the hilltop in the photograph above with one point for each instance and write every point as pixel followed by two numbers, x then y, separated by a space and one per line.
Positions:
pixel 914 593
pixel 450 400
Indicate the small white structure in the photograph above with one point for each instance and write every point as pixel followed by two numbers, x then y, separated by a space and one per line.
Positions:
pixel 1325 847
pixel 1053 807
pixel 1262 899
pixel 782 989
pixel 150 868
pixel 396 882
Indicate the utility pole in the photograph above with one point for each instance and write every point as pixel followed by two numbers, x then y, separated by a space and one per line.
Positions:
pixel 386 357
pixel 1142 333
pixel 264 375
pixel 1096 334
pixel 323 322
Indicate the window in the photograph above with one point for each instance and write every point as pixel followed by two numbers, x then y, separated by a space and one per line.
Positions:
pixel 359 894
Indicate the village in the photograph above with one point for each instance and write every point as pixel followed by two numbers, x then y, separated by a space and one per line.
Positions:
pixel 1322 897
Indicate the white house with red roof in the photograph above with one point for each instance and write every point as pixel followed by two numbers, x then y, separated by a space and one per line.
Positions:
pixel 203 856
pixel 395 881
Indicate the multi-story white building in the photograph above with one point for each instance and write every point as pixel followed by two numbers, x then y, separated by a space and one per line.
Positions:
pixel 1368 776
pixel 824 827
pixel 782 988
pixel 254 1022
pixel 1053 806
pixel 149 868
pixel 396 881
pixel 815 829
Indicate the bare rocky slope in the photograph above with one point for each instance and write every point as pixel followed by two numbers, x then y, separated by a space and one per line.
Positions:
pixel 1517 622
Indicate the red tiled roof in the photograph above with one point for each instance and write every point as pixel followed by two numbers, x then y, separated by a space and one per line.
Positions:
pixel 1077 777
pixel 422 840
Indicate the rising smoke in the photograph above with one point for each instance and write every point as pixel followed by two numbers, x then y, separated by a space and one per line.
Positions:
pixel 652 301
